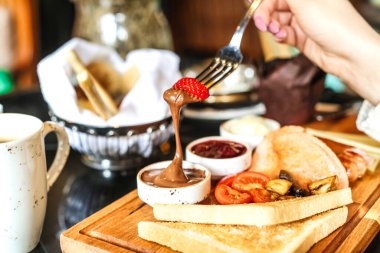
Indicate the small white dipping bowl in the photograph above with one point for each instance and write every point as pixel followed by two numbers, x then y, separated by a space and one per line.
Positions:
pixel 220 167
pixel 182 195
pixel 250 129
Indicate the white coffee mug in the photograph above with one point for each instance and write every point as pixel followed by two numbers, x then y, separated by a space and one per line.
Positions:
pixel 24 180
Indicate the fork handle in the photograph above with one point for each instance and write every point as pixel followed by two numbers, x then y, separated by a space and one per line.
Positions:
pixel 238 35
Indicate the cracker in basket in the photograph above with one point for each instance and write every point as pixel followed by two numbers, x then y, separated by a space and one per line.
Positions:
pixel 107 76
pixel 103 88
pixel 99 97
pixel 130 78
pixel 118 85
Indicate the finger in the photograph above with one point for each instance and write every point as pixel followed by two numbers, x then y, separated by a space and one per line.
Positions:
pixel 261 24
pixel 281 35
pixel 263 14
pixel 279 19
pixel 283 18
pixel 286 35
pixel 274 26
pixel 292 35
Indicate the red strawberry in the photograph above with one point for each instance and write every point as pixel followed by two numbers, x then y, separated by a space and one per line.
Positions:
pixel 193 87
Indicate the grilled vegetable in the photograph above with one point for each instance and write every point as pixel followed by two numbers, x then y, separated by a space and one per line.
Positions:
pixel 279 186
pixel 295 190
pixel 286 175
pixel 323 185
pixel 261 195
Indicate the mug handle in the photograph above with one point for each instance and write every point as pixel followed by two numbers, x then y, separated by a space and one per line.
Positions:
pixel 61 154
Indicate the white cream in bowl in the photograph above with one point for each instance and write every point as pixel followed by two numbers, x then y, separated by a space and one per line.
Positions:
pixel 190 194
pixel 250 129
pixel 220 167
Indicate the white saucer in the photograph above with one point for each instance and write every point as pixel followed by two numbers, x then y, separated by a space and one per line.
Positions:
pixel 223 114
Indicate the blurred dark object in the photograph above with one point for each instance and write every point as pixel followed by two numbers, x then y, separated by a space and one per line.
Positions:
pixel 122 25
pixel 56 20
pixel 203 27
pixel 330 96
pixel 290 89
pixel 89 191
pixel 370 12
pixel 28 102
pixel 333 105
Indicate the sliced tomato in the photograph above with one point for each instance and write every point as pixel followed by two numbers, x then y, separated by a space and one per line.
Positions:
pixel 225 195
pixel 227 180
pixel 249 180
pixel 261 195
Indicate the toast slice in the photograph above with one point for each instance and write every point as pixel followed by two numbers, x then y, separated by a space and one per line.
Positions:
pixel 298 236
pixel 258 214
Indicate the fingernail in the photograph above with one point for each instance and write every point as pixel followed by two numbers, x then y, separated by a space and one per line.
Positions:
pixel 281 34
pixel 274 28
pixel 260 24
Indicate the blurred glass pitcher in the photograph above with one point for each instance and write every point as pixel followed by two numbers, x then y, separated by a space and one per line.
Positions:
pixel 123 24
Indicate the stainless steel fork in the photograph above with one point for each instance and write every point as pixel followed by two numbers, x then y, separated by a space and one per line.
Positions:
pixel 229 57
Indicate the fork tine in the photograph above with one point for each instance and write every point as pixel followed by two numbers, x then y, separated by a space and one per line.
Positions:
pixel 221 75
pixel 215 62
pixel 213 72
pixel 223 68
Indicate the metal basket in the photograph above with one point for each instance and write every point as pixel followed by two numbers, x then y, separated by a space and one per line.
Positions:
pixel 119 148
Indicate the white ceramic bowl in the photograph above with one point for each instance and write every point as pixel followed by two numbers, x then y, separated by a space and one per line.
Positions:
pixel 250 129
pixel 220 167
pixel 182 195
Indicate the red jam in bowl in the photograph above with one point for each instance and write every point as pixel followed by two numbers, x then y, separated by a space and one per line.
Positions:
pixel 218 149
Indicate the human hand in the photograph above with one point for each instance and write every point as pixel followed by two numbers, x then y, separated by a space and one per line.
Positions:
pixel 331 33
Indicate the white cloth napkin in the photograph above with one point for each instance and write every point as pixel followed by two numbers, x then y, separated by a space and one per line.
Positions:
pixel 368 120
pixel 159 69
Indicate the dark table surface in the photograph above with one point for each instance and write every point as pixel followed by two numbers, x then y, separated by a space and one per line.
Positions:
pixel 80 191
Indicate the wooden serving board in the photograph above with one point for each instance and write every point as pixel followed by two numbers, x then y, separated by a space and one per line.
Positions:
pixel 114 228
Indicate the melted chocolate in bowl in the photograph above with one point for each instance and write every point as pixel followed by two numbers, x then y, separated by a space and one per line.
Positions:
pixel 174 175
pixel 193 175
pixel 218 149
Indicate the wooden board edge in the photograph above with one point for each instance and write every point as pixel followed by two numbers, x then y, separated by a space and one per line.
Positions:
pixel 101 213
pixel 364 232
pixel 79 244
pixel 72 245
pixel 342 236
